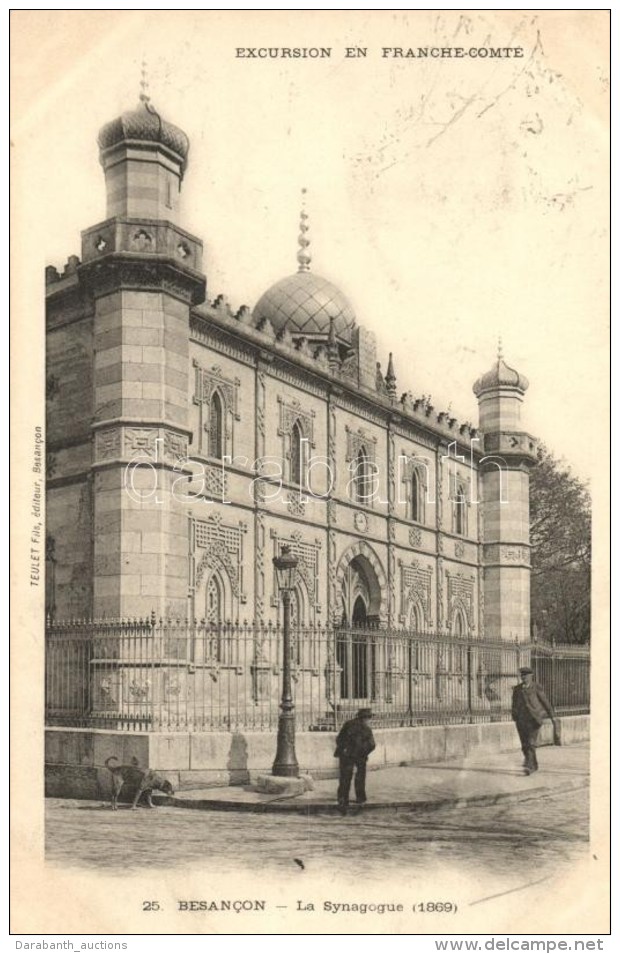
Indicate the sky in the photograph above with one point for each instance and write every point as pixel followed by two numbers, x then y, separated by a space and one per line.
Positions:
pixel 452 200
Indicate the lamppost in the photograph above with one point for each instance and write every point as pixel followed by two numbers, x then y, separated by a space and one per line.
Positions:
pixel 286 761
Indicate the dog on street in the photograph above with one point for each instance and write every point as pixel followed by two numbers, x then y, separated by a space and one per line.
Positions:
pixel 144 782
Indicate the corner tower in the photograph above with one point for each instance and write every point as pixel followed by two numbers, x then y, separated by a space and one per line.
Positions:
pixel 509 454
pixel 142 273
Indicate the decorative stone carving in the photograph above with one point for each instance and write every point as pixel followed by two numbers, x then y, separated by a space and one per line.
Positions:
pixel 415 537
pixel 308 568
pixel 295 504
pixel 391 482
pixel 506 554
pixel 218 546
pixel 140 440
pixel 208 382
pixel 259 565
pixel 415 588
pixel 459 550
pixel 139 689
pixel 292 412
pixel 214 482
pixel 440 575
pixel 142 241
pixel 332 511
pixel 356 440
pixel 461 596
pixel 360 521
pixel 332 582
pixel 175 445
pixel 107 443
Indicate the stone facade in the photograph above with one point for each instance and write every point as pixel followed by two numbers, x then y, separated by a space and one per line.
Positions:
pixel 187 444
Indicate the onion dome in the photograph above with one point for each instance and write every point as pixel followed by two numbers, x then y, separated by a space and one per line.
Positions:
pixel 304 303
pixel 501 375
pixel 144 124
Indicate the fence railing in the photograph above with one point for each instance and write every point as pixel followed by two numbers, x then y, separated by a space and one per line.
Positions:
pixel 178 674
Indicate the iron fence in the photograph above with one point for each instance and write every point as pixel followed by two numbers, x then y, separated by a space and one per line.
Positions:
pixel 176 674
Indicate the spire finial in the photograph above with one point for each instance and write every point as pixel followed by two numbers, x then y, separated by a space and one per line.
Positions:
pixel 500 352
pixel 390 378
pixel 144 84
pixel 303 256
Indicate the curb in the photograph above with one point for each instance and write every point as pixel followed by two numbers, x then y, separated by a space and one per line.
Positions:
pixel 286 805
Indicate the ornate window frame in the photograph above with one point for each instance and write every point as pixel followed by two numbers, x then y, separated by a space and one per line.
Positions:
pixel 291 414
pixel 416 589
pixel 360 441
pixel 209 381
pixel 217 547
pixel 460 498
pixel 415 469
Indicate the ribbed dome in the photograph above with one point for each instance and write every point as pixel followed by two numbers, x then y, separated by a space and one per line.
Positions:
pixel 304 303
pixel 144 124
pixel 500 376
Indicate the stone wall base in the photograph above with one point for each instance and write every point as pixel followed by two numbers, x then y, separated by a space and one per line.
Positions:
pixel 74 758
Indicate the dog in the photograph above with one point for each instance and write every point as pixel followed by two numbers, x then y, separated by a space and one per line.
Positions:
pixel 144 782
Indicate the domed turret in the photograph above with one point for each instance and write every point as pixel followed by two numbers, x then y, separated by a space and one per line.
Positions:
pixel 144 124
pixel 500 395
pixel 144 158
pixel 501 375
pixel 304 303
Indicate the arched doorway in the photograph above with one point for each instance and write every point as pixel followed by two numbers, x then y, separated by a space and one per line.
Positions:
pixel 356 650
pixel 360 612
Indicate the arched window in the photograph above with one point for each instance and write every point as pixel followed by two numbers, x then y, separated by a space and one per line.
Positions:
pixel 216 427
pixel 460 510
pixel 296 452
pixel 458 660
pixel 214 600
pixel 415 495
pixel 460 627
pixel 361 484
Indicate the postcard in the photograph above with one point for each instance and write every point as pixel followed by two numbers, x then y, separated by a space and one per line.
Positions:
pixel 310 498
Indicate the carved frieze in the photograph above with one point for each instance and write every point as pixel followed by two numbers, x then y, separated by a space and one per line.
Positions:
pixel 127 442
pixel 506 553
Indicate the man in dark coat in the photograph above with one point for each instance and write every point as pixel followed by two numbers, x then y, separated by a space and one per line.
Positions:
pixel 354 744
pixel 530 707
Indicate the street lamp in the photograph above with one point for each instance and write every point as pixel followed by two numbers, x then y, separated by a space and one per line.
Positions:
pixel 286 761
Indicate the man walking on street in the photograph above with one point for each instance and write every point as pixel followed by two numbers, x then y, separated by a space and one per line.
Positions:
pixel 354 744
pixel 530 707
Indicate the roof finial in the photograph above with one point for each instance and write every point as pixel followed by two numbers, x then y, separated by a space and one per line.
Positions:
pixel 144 84
pixel 500 352
pixel 390 379
pixel 303 256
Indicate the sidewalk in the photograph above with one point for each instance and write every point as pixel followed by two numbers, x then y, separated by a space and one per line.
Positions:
pixel 482 778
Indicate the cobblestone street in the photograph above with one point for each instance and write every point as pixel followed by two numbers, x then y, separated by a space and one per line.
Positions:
pixel 547 832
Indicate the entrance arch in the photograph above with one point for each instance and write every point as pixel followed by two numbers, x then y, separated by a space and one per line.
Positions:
pixel 361 591
pixel 360 575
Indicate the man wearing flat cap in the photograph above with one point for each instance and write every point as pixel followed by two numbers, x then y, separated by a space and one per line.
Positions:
pixel 530 707
pixel 354 744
